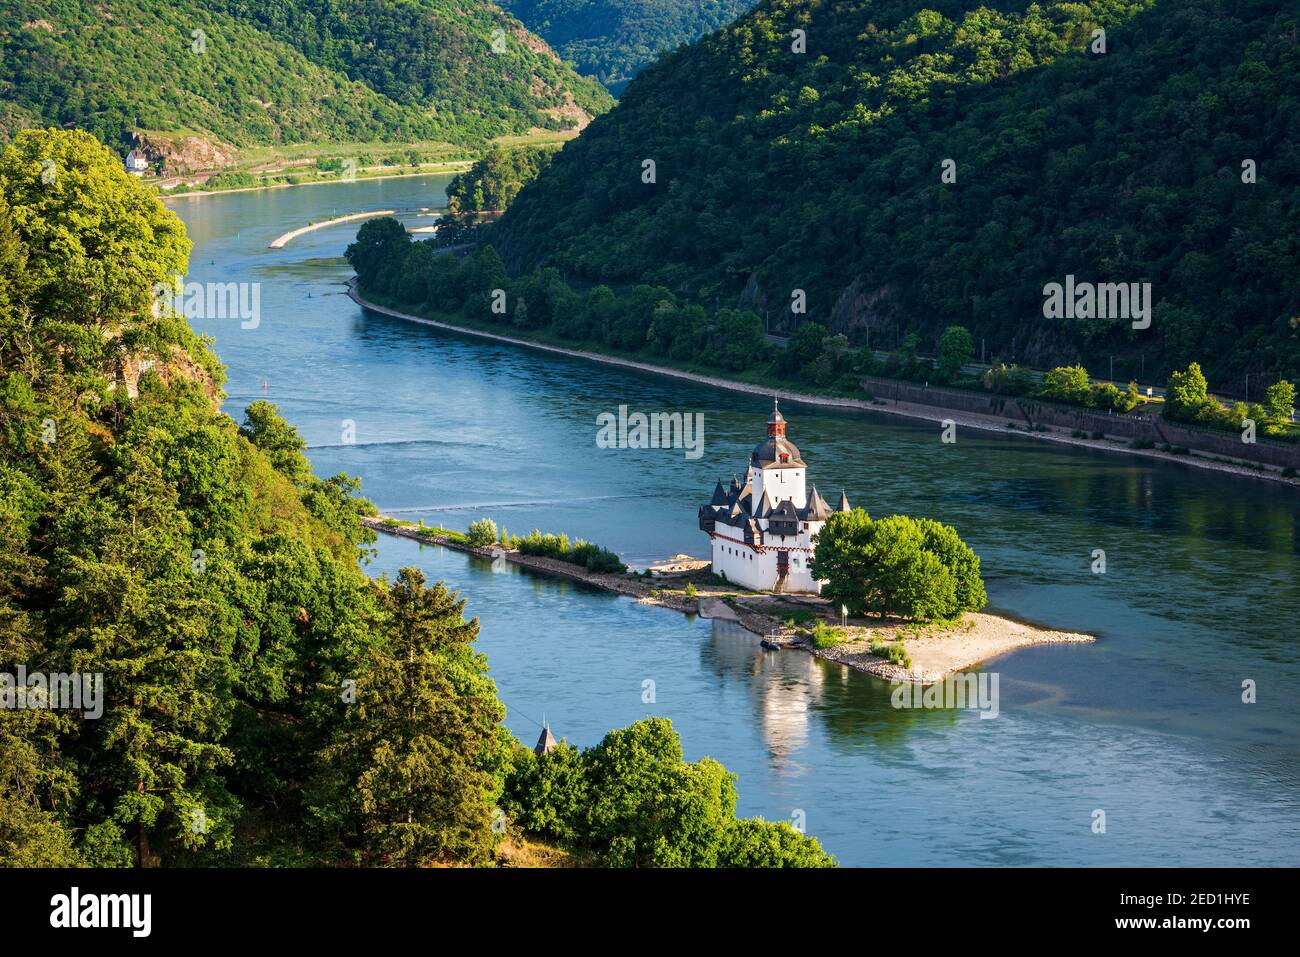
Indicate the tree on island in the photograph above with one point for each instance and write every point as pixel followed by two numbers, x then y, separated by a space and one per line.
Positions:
pixel 915 568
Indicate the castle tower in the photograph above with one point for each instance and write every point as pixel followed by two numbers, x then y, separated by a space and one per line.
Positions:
pixel 776 468
pixel 763 532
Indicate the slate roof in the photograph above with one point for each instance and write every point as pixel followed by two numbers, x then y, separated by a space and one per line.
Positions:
pixel 767 454
pixel 546 743
pixel 816 510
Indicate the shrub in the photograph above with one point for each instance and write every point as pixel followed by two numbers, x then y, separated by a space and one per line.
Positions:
pixel 827 636
pixel 690 590
pixel 591 557
pixel 1187 395
pixel 1067 384
pixel 894 651
pixel 482 533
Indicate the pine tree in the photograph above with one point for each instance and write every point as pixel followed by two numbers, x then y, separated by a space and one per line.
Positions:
pixel 423 747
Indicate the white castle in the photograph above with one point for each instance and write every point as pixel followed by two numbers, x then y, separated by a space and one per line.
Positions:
pixel 762 530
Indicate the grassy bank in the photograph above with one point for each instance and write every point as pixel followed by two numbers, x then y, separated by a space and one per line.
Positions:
pixel 310 164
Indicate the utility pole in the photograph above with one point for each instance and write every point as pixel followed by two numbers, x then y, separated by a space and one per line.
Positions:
pixel 1112 368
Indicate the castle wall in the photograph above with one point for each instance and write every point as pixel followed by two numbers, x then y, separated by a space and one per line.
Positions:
pixel 748 568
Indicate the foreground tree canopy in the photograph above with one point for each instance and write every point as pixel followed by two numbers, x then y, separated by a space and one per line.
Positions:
pixel 633 801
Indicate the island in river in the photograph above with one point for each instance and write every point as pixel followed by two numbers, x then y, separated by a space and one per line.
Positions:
pixel 783 621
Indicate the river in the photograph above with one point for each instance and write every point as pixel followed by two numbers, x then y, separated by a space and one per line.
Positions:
pixel 1201 590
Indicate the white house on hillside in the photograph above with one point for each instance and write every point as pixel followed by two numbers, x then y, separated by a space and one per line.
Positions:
pixel 136 162
pixel 762 529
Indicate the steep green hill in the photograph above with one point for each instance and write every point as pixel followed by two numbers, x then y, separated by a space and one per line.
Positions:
pixel 613 39
pixel 284 71
pixel 778 171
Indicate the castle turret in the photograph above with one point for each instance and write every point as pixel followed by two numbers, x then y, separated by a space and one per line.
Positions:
pixel 776 467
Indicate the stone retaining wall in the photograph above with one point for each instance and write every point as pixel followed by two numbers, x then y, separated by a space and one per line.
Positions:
pixel 1029 412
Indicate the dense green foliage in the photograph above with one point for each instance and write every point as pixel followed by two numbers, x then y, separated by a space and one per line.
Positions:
pixel 613 39
pixel 1073 386
pixel 645 321
pixel 778 171
pixel 1188 400
pixel 916 568
pixel 492 183
pixel 417 765
pixel 283 71
pixel 577 552
pixel 215 586
pixel 635 802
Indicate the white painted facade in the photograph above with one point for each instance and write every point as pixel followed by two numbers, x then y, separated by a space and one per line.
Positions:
pixel 762 529
pixel 137 163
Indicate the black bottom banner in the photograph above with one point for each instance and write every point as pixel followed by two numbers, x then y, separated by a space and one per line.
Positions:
pixel 199 907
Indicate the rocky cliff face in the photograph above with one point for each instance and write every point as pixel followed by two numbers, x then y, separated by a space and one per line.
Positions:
pixel 178 365
pixel 185 154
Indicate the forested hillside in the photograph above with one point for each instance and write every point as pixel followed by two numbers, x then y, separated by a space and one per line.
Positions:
pixel 613 39
pixel 284 71
pixel 244 693
pixel 493 182
pixel 1171 158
